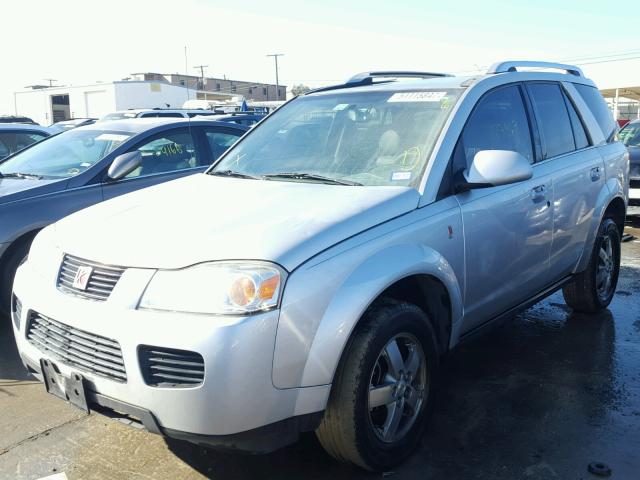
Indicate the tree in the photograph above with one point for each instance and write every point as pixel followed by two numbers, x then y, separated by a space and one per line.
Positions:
pixel 299 89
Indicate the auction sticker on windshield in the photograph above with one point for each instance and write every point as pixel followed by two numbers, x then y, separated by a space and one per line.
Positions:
pixel 417 97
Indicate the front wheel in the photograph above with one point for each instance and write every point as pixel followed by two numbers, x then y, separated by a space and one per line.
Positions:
pixel 383 388
pixel 592 290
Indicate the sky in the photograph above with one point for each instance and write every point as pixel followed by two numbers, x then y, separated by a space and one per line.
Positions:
pixel 82 42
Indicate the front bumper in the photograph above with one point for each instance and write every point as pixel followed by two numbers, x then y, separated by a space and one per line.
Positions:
pixel 237 394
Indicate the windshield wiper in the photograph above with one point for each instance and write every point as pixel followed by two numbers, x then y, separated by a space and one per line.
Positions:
pixel 29 176
pixel 311 176
pixel 233 173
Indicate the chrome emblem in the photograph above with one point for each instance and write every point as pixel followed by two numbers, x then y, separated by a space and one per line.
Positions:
pixel 81 280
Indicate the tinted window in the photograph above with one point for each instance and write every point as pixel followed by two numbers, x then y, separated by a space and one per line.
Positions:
pixel 579 133
pixel 219 142
pixel 166 152
pixel 553 119
pixel 499 122
pixel 11 142
pixel 600 110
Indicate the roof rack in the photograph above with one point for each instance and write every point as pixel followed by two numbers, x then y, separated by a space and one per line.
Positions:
pixel 512 65
pixel 366 78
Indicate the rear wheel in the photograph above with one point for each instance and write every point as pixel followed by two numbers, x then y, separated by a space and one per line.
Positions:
pixel 383 388
pixel 593 289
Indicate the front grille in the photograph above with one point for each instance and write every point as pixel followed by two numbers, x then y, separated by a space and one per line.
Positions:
pixel 77 348
pixel 16 310
pixel 634 183
pixel 102 280
pixel 168 367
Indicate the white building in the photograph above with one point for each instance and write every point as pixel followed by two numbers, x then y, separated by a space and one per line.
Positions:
pixel 52 104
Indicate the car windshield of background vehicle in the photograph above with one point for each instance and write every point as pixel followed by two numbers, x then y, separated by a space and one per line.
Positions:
pixel 369 138
pixel 118 116
pixel 630 135
pixel 64 155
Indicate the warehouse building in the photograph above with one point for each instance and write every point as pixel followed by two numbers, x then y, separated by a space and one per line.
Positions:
pixel 50 104
pixel 208 87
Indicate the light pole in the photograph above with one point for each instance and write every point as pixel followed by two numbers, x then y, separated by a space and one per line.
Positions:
pixel 275 57
pixel 201 67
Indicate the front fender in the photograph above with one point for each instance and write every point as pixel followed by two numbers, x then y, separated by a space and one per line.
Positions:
pixel 324 300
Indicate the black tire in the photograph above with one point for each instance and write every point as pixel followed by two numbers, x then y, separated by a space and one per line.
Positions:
pixel 347 432
pixel 585 293
pixel 8 273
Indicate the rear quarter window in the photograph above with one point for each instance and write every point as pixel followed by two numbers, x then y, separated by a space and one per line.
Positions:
pixel 599 109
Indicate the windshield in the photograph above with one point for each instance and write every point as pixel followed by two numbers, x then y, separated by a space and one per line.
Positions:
pixel 118 116
pixel 367 138
pixel 630 135
pixel 64 155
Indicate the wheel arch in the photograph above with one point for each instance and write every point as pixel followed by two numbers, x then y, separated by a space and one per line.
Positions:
pixel 16 243
pixel 616 210
pixel 413 273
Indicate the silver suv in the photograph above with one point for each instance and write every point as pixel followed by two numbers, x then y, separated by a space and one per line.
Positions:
pixel 315 275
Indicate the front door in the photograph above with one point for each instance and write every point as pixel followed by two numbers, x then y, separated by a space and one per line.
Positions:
pixel 507 229
pixel 165 156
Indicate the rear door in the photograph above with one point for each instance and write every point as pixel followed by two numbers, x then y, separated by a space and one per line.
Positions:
pixel 170 154
pixel 507 228
pixel 577 170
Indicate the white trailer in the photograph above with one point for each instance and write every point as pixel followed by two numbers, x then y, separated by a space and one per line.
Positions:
pixel 52 104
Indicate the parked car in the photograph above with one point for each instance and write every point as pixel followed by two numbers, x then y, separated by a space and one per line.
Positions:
pixel 315 275
pixel 241 118
pixel 16 119
pixel 156 112
pixel 73 123
pixel 15 136
pixel 90 164
pixel 630 136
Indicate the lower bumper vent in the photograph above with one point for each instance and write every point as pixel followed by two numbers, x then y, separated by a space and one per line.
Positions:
pixel 168 367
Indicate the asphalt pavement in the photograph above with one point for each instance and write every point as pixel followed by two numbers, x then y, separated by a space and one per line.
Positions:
pixel 540 397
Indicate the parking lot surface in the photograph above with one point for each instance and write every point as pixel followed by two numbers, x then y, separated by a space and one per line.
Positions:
pixel 538 398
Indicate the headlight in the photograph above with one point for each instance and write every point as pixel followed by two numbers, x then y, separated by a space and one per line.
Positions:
pixel 216 288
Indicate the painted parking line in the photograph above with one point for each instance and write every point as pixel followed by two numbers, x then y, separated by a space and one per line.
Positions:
pixel 55 476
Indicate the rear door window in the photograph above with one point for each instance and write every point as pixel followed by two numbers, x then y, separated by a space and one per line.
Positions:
pixel 220 140
pixel 599 109
pixel 579 133
pixel 553 119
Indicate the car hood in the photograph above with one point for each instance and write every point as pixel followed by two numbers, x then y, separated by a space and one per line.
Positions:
pixel 12 189
pixel 204 218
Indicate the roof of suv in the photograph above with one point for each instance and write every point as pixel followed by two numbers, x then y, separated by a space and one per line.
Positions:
pixel 388 80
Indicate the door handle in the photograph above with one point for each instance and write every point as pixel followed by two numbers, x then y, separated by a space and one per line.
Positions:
pixel 595 174
pixel 539 193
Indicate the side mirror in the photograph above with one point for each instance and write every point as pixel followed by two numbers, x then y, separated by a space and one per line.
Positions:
pixel 124 164
pixel 491 168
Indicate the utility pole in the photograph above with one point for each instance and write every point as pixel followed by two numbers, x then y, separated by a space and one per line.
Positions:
pixel 275 57
pixel 50 80
pixel 201 67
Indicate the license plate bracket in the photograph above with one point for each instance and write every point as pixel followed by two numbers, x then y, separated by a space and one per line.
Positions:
pixel 70 389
